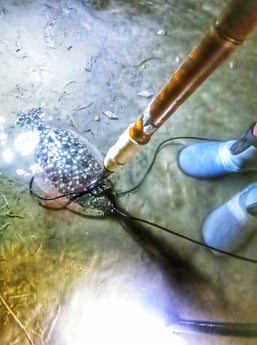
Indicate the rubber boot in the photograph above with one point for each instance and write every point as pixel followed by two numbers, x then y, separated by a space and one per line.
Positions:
pixel 230 226
pixel 214 158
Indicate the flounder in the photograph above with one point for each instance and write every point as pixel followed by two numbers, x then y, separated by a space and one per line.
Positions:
pixel 69 165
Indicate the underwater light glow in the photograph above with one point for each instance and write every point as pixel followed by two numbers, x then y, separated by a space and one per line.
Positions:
pixel 8 155
pixel 25 143
pixel 3 137
pixel 114 322
pixel 2 120
pixel 22 172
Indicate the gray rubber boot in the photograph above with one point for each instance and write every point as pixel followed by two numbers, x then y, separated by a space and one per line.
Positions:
pixel 231 225
pixel 212 159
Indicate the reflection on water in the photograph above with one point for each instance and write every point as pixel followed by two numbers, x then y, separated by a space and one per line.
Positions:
pixel 67 279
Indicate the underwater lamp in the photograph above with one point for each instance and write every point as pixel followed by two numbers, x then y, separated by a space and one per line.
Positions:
pixel 112 320
pixel 109 319
pixel 236 24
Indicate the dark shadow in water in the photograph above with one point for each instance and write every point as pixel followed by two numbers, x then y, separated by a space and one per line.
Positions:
pixel 181 274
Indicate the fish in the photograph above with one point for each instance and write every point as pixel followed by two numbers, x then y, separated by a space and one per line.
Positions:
pixel 69 164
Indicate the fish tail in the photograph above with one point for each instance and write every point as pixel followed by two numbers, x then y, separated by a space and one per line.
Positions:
pixel 32 119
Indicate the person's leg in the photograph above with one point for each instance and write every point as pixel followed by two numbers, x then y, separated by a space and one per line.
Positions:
pixel 231 225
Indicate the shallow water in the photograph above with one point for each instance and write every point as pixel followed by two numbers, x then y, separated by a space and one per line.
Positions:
pixel 76 280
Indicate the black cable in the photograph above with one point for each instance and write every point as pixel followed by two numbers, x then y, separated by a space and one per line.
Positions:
pixel 32 192
pixel 74 194
pixel 159 148
pixel 184 237
pixel 243 258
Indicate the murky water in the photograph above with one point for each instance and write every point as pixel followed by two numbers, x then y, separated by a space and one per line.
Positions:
pixel 68 279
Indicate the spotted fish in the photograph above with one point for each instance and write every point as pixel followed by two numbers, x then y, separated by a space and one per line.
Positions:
pixel 70 163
